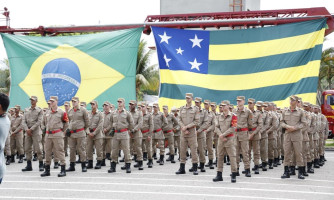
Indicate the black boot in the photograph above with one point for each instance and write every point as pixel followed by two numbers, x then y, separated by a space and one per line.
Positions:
pixel 134 158
pixel 12 158
pixel 182 169
pixel 128 167
pixel 98 164
pixel 256 169
pixel 145 156
pixel 62 171
pixel 304 171
pixel 219 177
pixel 47 171
pixel 169 158
pixel 234 177
pixel 108 156
pixel 90 164
pixel 150 163
pixel 210 164
pixel 316 163
pixel 264 166
pixel 78 161
pixel 41 166
pixel 71 168
pixel 8 160
pixel 56 165
pixel 275 162
pixel 309 168
pixel 282 158
pixel 224 159
pixel 28 167
pixel 112 167
pixel 21 159
pixel 322 161
pixel 35 157
pixel 236 173
pixel 270 164
pixel 278 161
pixel 300 173
pixel 140 165
pixel 195 165
pixel 155 156
pixel 83 167
pixel 172 159
pixel 286 173
pixel 122 160
pixel 248 173
pixel 292 170
pixel 103 162
pixel 227 160
pixel 215 162
pixel 123 167
pixel 201 166
pixel 161 160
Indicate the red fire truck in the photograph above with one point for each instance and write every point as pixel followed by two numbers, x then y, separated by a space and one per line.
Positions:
pixel 327 108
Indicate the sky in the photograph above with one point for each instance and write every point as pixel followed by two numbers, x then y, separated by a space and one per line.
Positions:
pixel 34 13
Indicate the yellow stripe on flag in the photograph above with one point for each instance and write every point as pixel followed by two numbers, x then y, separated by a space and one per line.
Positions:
pixel 241 82
pixel 265 48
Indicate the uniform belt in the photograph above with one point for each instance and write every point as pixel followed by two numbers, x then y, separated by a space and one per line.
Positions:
pixel 252 129
pixel 241 129
pixel 121 130
pixel 75 131
pixel 145 131
pixel 92 130
pixel 157 130
pixel 230 135
pixel 53 132
pixel 168 131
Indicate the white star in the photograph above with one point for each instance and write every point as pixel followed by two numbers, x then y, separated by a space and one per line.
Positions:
pixel 196 41
pixel 167 60
pixel 195 64
pixel 164 38
pixel 179 51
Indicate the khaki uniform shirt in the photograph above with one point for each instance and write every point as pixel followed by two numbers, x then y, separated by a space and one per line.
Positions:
pixel 96 124
pixel 271 125
pixel 147 125
pixel 295 118
pixel 257 123
pixel 122 120
pixel 32 119
pixel 189 118
pixel 138 123
pixel 16 124
pixel 172 123
pixel 226 127
pixel 245 120
pixel 159 120
pixel 78 119
pixel 56 120
pixel 107 124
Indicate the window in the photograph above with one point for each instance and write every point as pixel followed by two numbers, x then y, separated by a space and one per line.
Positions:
pixel 330 100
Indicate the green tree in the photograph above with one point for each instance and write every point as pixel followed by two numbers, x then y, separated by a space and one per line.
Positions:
pixel 5 78
pixel 326 72
pixel 147 76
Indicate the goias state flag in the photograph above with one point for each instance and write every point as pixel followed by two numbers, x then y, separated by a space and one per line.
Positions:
pixel 267 64
pixel 98 66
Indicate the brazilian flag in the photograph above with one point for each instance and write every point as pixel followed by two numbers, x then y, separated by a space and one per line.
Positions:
pixel 98 66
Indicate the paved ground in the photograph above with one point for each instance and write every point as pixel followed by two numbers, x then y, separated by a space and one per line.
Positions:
pixel 160 182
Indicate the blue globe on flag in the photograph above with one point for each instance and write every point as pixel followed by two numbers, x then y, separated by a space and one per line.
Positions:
pixel 61 77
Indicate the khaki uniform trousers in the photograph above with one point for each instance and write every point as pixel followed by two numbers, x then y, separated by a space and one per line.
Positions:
pixel 170 139
pixel 192 143
pixel 264 149
pixel 161 145
pixel 201 148
pixel 7 146
pixel 293 147
pixel 254 145
pixel 16 143
pixel 107 146
pixel 177 143
pixel 97 143
pixel 243 147
pixel 77 144
pixel 148 145
pixel 137 147
pixel 57 146
pixel 209 144
pixel 34 141
pixel 124 144
pixel 226 148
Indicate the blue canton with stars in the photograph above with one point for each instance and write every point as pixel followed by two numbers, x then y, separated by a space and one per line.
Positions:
pixel 186 50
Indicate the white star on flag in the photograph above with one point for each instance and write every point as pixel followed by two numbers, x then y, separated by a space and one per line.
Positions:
pixel 195 64
pixel 179 51
pixel 164 38
pixel 196 41
pixel 167 60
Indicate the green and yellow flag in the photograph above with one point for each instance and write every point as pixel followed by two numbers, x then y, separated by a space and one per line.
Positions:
pixel 96 66
pixel 268 64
